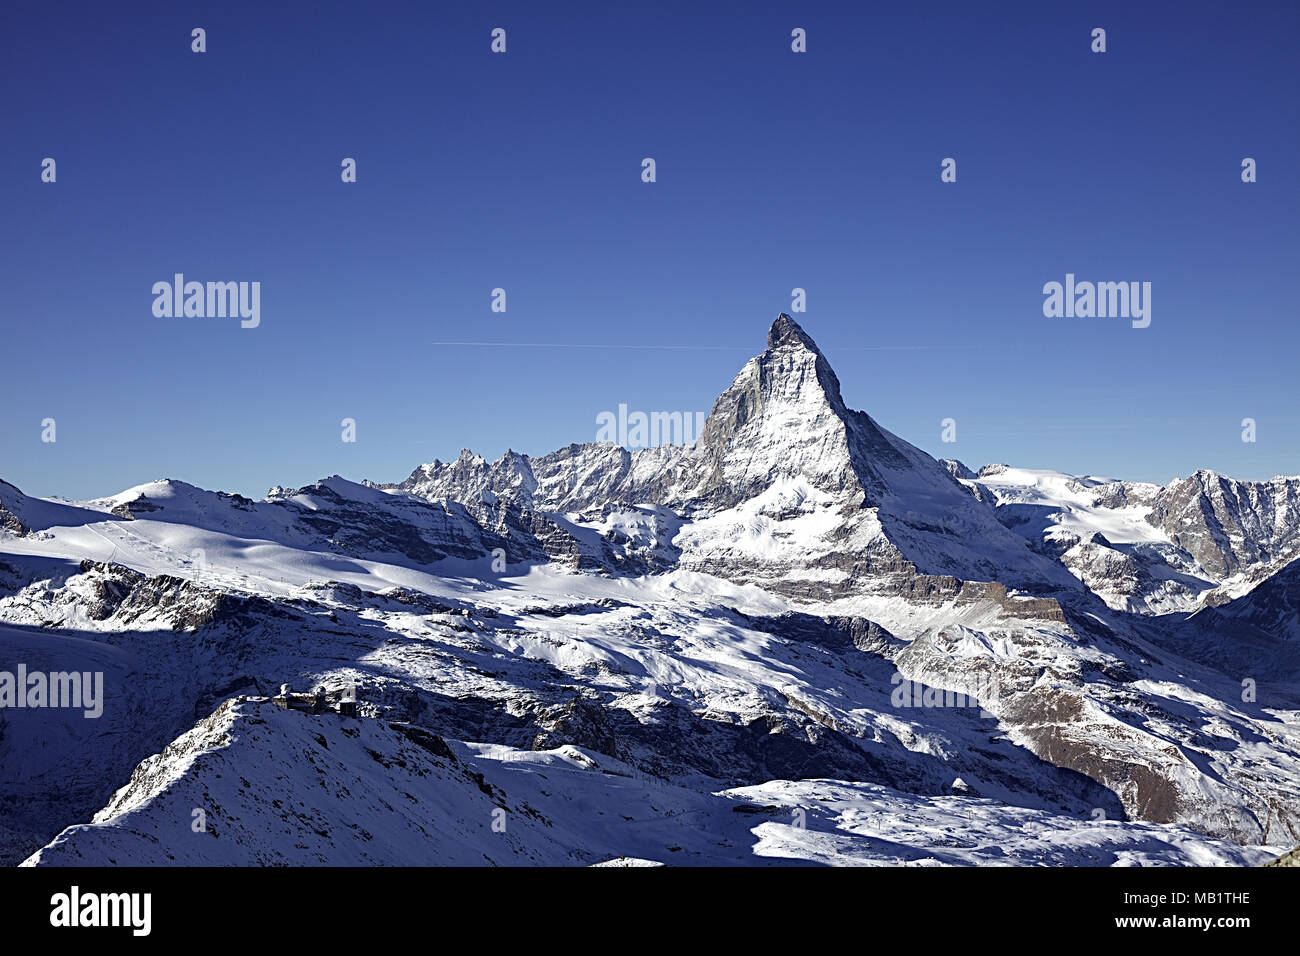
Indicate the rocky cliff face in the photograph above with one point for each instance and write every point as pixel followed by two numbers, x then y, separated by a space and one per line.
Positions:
pixel 1229 525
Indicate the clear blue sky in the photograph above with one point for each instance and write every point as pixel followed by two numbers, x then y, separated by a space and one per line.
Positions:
pixel 523 170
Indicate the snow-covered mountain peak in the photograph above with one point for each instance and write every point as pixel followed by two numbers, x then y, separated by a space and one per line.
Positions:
pixel 782 418
pixel 883 504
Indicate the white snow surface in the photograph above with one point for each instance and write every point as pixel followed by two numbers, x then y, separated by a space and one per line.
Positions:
pixel 278 787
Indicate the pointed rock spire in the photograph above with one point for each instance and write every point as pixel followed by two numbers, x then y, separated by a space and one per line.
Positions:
pixel 786 331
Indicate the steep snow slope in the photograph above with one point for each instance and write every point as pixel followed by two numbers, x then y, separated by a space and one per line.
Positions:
pixel 1257 634
pixel 662 674
pixel 276 787
pixel 55 761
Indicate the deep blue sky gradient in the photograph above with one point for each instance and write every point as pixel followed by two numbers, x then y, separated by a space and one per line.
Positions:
pixel 522 170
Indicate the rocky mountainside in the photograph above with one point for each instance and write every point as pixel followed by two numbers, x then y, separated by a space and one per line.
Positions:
pixel 799 616
pixel 786 487
pixel 1145 548
pixel 1230 526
